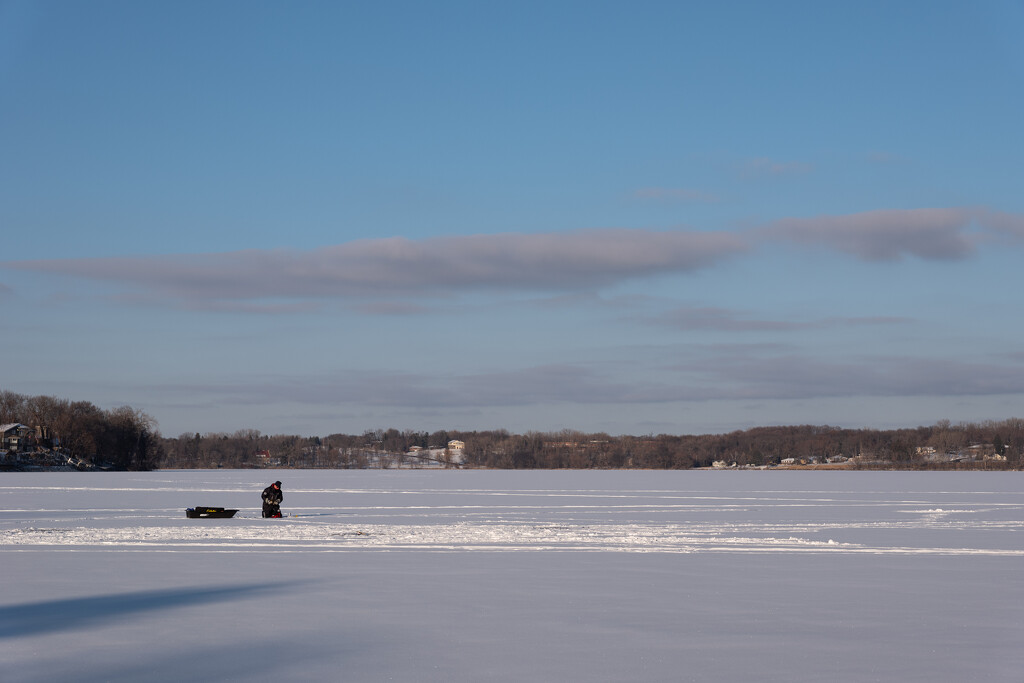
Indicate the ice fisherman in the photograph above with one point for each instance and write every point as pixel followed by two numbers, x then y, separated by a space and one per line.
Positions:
pixel 272 497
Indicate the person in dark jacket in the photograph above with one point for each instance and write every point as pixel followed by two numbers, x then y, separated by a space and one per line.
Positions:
pixel 272 497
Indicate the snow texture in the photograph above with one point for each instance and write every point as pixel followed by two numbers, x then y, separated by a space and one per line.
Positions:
pixel 513 576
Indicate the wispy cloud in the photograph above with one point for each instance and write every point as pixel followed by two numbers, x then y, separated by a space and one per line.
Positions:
pixel 542 262
pixel 726 320
pixel 721 319
pixel 885 235
pixel 801 377
pixel 711 376
pixel 762 167
pixel 1004 224
pixel 400 308
pixel 885 158
pixel 676 194
pixel 545 384
pixel 395 270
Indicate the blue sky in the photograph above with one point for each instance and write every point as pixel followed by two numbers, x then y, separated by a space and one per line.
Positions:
pixel 644 217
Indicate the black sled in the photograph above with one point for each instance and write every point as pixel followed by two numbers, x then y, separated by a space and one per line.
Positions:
pixel 204 512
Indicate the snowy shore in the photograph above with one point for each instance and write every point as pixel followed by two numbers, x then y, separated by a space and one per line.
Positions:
pixel 514 576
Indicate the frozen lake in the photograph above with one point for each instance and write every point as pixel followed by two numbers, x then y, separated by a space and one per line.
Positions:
pixel 514 576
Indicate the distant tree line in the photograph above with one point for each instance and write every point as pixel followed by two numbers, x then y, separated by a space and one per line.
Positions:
pixel 123 438
pixel 941 446
pixel 250 448
pixel 128 439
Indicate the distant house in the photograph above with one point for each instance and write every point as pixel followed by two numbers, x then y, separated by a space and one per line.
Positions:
pixel 264 459
pixel 455 452
pixel 788 461
pixel 15 436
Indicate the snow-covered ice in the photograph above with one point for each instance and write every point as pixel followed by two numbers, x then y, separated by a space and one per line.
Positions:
pixel 514 576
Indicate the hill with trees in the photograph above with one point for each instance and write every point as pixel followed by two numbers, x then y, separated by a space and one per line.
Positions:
pixel 77 432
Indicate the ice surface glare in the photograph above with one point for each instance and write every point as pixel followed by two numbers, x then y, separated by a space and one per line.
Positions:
pixel 514 576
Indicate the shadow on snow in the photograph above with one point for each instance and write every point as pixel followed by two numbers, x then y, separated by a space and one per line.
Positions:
pixel 74 613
